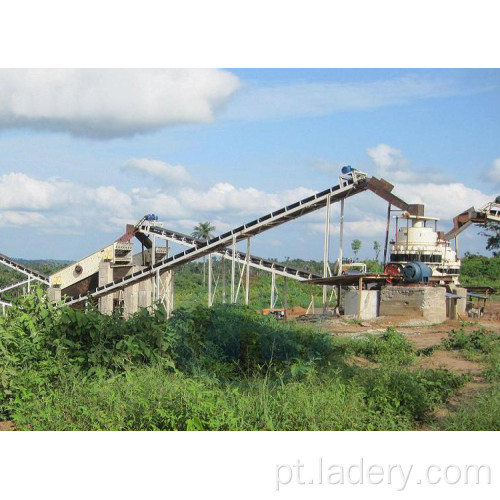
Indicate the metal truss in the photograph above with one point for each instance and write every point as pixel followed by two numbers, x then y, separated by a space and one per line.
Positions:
pixel 30 273
pixel 240 257
pixel 348 186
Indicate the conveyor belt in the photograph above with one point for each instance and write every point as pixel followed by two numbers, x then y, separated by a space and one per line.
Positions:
pixel 256 262
pixel 23 269
pixel 348 187
pixel 488 213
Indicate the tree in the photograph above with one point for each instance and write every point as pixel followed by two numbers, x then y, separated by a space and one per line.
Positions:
pixel 376 247
pixel 493 233
pixel 203 231
pixel 356 246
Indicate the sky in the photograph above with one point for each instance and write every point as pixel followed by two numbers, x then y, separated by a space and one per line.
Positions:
pixel 84 152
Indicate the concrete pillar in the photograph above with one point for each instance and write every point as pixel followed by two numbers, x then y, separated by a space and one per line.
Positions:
pixel 146 292
pixel 461 303
pixel 167 286
pixel 105 276
pixel 54 294
pixel 130 300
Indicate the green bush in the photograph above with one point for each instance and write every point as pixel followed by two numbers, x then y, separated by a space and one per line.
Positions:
pixel 391 348
pixel 473 344
pixel 243 340
pixel 223 368
pixel 412 394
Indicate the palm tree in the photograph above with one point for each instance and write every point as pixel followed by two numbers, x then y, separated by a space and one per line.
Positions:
pixel 203 231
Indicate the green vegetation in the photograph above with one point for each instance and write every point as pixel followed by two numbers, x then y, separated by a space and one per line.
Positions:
pixel 190 292
pixel 203 231
pixel 493 233
pixel 356 247
pixel 482 412
pixel 391 348
pixel 480 270
pixel 472 345
pixel 9 276
pixel 229 367
pixel 222 368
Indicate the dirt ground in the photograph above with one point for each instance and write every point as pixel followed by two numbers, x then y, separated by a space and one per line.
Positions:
pixel 424 335
pixel 7 426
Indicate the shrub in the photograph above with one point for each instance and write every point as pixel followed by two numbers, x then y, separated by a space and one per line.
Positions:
pixel 473 344
pixel 390 348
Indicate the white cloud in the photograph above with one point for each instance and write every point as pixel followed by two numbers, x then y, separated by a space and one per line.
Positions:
pixel 175 175
pixel 493 173
pixel 19 191
pixel 105 103
pixel 58 206
pixel 390 163
pixel 10 218
pixel 70 206
pixel 443 200
pixel 386 156
pixel 224 197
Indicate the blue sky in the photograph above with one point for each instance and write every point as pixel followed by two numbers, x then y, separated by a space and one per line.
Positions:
pixel 84 152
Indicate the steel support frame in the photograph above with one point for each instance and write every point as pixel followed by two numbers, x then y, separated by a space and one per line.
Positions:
pixel 27 272
pixel 267 222
pixel 341 238
pixel 326 251
pixel 241 258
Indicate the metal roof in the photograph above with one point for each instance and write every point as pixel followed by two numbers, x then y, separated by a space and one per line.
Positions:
pixel 350 279
pixel 476 295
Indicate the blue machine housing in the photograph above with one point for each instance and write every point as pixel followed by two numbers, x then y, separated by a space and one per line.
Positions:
pixel 417 272
pixel 347 169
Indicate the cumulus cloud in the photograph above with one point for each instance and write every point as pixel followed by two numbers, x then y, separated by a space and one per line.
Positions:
pixel 68 205
pixel 59 206
pixel 443 200
pixel 239 201
pixel 386 156
pixel 19 191
pixel 105 103
pixel 175 175
pixel 390 163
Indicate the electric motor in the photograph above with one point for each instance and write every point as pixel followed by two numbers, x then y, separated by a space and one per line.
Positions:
pixel 417 272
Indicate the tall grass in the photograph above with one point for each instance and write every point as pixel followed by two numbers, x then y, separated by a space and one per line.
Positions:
pixel 224 368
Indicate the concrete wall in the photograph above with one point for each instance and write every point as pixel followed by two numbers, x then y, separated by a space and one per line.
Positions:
pixel 424 302
pixel 369 303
